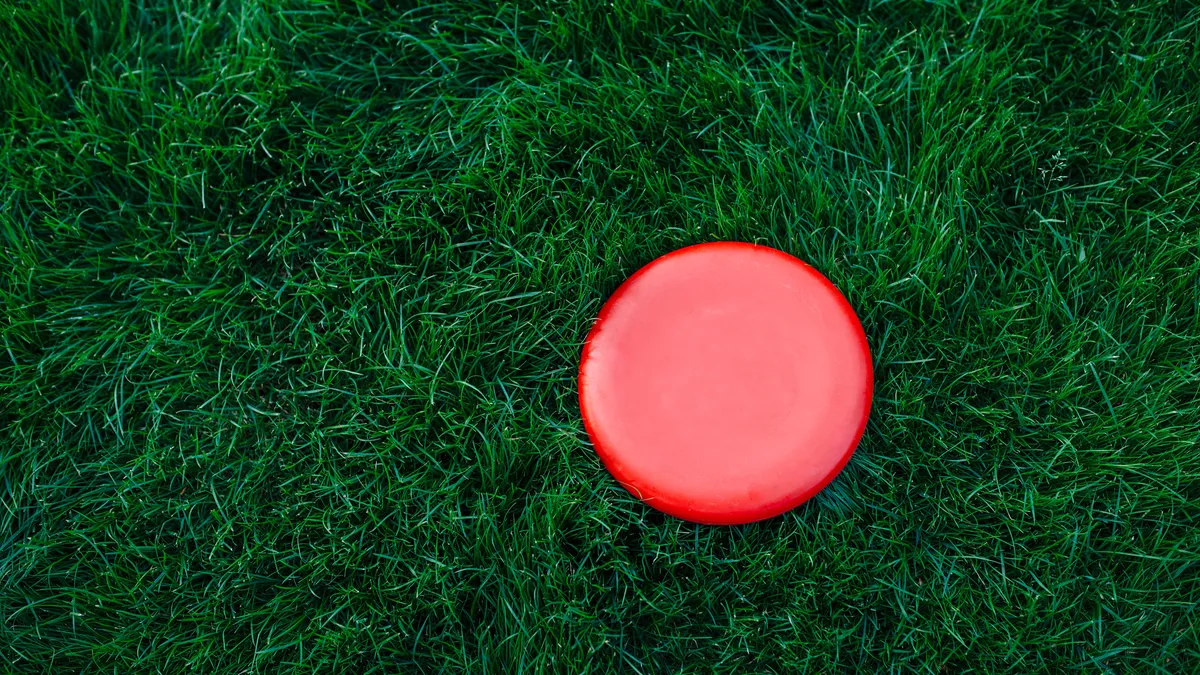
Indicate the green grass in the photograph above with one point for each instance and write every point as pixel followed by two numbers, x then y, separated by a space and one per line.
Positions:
pixel 294 291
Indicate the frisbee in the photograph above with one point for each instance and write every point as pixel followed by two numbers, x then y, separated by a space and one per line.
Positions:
pixel 725 383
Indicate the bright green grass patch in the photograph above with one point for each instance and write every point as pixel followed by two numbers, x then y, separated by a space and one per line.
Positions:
pixel 294 291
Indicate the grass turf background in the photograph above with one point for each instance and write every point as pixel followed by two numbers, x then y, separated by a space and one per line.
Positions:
pixel 294 291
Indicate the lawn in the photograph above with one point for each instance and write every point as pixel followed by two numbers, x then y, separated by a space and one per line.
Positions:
pixel 294 293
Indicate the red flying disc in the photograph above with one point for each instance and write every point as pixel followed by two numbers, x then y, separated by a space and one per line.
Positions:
pixel 725 383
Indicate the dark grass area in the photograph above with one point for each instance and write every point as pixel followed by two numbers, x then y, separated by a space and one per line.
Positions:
pixel 294 291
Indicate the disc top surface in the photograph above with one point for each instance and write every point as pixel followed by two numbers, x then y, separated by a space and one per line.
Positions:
pixel 725 383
